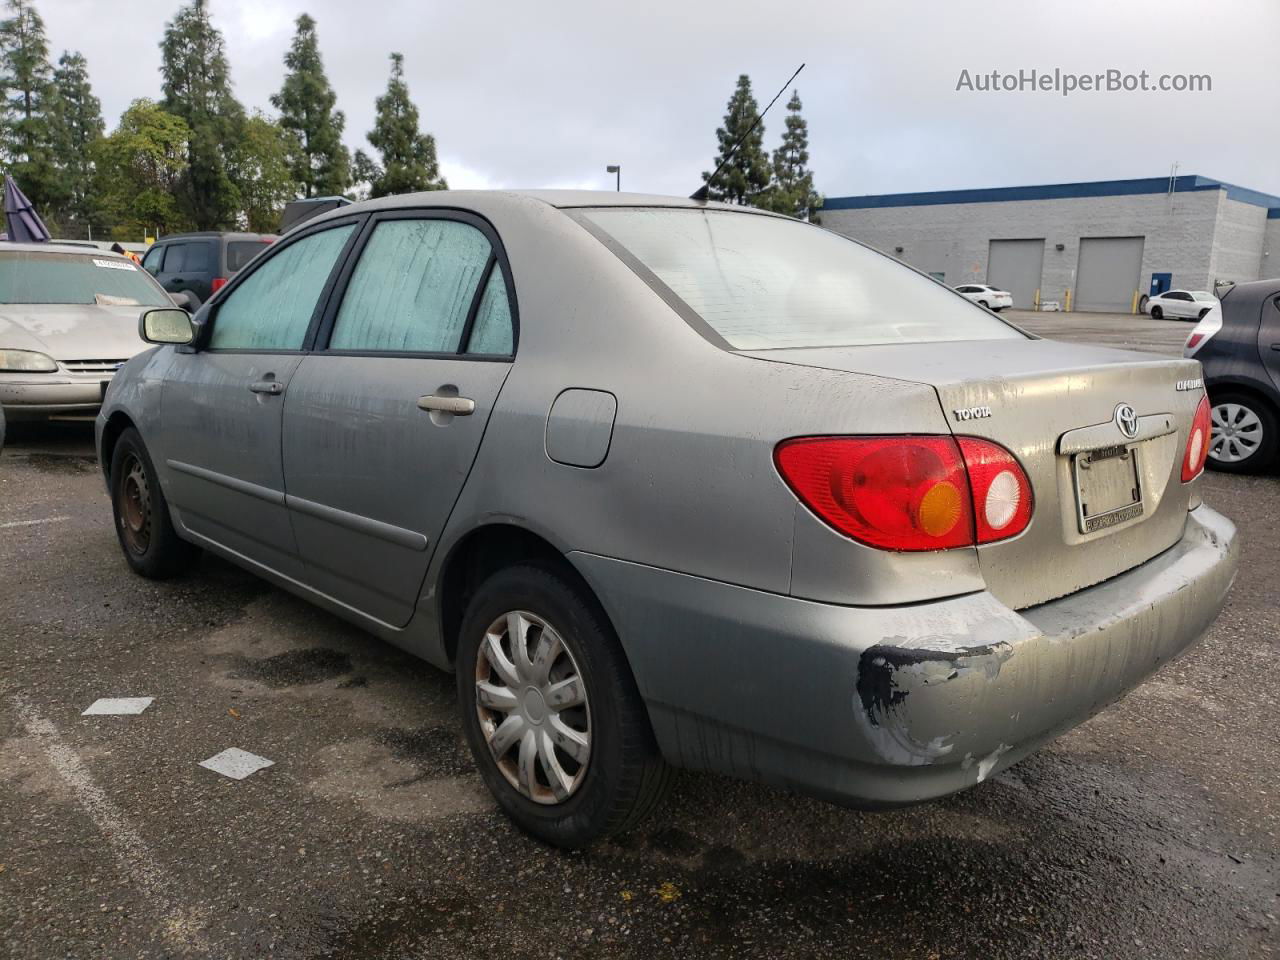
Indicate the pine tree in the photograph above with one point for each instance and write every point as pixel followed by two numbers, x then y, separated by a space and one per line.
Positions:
pixel 791 191
pixel 26 81
pixel 746 176
pixel 408 156
pixel 197 88
pixel 75 125
pixel 319 161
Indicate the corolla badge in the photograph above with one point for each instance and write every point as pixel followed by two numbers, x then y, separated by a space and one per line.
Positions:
pixel 1127 420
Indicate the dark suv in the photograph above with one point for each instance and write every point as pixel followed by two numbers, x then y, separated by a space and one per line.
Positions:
pixel 1239 347
pixel 200 263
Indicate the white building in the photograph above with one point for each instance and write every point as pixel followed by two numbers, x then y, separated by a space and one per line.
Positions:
pixel 1097 245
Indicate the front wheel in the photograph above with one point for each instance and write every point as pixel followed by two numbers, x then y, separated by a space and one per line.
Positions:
pixel 1157 313
pixel 551 712
pixel 1245 434
pixel 150 544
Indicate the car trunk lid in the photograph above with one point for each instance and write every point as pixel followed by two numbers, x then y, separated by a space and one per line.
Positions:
pixel 1054 406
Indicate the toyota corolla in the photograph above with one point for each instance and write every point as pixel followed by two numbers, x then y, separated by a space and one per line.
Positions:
pixel 676 484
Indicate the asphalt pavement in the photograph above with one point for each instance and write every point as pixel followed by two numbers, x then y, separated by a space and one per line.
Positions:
pixel 1151 831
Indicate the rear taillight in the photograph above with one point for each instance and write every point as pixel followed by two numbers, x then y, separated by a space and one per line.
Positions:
pixel 219 283
pixel 1197 443
pixel 909 493
pixel 1203 331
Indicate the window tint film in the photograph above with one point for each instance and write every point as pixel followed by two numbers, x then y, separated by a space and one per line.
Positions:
pixel 766 282
pixel 31 277
pixel 272 308
pixel 492 332
pixel 413 287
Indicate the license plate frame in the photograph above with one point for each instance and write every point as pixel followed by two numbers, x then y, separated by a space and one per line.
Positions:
pixel 1108 487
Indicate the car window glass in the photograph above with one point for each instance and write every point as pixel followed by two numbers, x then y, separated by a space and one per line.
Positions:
pixel 240 252
pixel 492 332
pixel 29 276
pixel 272 308
pixel 151 262
pixel 413 288
pixel 175 258
pixel 199 257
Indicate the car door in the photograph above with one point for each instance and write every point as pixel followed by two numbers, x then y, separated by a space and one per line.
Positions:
pixel 1181 304
pixel 222 401
pixel 1269 338
pixel 382 426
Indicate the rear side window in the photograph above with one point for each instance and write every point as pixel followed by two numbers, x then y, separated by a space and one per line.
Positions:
pixel 493 333
pixel 240 252
pixel 413 288
pixel 272 308
pixel 765 282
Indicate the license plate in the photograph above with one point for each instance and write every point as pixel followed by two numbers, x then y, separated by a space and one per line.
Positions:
pixel 1108 487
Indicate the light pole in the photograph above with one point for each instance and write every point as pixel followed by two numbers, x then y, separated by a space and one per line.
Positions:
pixel 615 169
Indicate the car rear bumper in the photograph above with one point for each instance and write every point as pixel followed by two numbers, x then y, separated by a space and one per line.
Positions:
pixel 894 705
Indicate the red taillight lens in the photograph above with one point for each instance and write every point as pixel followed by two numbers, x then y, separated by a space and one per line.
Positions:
pixel 1193 341
pixel 897 493
pixel 909 493
pixel 1001 491
pixel 219 283
pixel 1197 443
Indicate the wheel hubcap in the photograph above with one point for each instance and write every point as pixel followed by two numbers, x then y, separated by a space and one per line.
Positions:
pixel 1236 433
pixel 532 703
pixel 135 506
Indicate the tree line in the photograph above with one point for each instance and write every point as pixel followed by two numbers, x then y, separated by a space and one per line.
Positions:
pixel 193 159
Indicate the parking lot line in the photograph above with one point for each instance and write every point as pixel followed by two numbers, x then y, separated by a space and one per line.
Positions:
pixel 181 927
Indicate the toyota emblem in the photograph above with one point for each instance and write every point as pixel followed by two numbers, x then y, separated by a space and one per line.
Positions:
pixel 1127 420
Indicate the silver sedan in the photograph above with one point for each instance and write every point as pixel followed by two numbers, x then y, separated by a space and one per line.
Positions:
pixel 673 484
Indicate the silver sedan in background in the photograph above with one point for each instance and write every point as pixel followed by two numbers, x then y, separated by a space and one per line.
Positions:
pixel 669 483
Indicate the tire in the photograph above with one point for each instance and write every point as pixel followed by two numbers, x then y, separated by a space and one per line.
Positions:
pixel 622 777
pixel 1254 445
pixel 1142 303
pixel 151 546
pixel 1157 313
pixel 996 309
pixel 1 429
pixel 984 304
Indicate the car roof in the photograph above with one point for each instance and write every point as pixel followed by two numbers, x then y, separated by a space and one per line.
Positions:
pixel 68 248
pixel 1242 296
pixel 214 234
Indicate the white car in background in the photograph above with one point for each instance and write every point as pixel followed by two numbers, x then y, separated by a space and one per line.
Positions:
pixel 985 295
pixel 1186 304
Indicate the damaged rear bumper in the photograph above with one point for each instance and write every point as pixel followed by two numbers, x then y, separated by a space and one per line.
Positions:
pixel 894 705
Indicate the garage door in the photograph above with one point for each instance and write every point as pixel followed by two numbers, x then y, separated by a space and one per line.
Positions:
pixel 1108 273
pixel 1015 265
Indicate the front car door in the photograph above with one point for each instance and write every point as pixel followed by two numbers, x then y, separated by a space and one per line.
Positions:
pixel 1269 338
pixel 222 403
pixel 381 426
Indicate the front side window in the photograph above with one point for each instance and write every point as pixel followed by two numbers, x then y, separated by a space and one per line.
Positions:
pixel 413 288
pixel 108 280
pixel 272 308
pixel 765 283
pixel 151 262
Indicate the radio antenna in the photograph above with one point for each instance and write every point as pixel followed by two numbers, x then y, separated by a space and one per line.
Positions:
pixel 701 193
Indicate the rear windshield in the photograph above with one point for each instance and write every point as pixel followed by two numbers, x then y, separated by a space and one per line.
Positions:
pixel 240 252
pixel 32 277
pixel 767 283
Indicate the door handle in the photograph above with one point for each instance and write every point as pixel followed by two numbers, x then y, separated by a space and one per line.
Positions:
pixel 458 406
pixel 1275 346
pixel 272 387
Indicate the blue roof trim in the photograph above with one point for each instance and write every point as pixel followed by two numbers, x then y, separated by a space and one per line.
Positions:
pixel 1273 213
pixel 1055 191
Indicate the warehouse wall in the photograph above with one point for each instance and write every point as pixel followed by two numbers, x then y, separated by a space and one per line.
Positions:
pixel 1270 261
pixel 1238 241
pixel 954 238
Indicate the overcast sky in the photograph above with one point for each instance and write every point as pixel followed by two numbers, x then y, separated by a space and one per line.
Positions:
pixel 522 94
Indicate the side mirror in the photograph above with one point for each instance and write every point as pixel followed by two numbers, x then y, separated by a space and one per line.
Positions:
pixel 185 300
pixel 165 325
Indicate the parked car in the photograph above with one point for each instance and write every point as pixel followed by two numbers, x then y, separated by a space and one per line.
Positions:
pixel 1238 344
pixel 200 263
pixel 68 321
pixel 985 295
pixel 1180 304
pixel 670 483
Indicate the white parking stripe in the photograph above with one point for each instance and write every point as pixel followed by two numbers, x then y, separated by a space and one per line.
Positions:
pixel 181 927
pixel 31 523
pixel 118 706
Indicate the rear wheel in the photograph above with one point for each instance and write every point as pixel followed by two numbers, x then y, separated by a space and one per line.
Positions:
pixel 150 544
pixel 984 304
pixel 1245 434
pixel 551 711
pixel 1157 313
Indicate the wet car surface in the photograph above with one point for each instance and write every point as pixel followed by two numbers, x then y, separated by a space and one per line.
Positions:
pixel 1151 830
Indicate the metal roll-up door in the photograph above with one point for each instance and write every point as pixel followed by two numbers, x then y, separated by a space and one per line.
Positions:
pixel 1016 266
pixel 1108 273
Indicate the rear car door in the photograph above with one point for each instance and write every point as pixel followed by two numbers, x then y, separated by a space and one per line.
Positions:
pixel 382 426
pixel 222 403
pixel 1269 339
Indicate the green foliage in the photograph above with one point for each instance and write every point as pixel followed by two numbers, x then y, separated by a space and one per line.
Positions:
pixel 197 88
pixel 745 178
pixel 137 172
pixel 791 191
pixel 319 161
pixel 75 125
pixel 408 156
pixel 26 82
pixel 260 167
